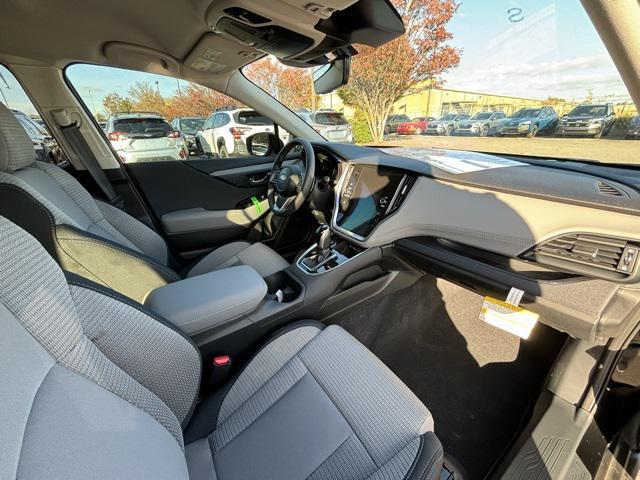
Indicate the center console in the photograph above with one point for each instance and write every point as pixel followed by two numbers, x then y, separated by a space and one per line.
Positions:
pixel 366 195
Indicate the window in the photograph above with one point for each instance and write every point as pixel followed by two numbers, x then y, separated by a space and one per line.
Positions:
pixel 542 58
pixel 16 99
pixel 168 119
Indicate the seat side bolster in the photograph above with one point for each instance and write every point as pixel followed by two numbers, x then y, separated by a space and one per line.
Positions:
pixel 205 418
pixel 428 462
pixel 140 342
pixel 143 237
pixel 23 209
pixel 124 270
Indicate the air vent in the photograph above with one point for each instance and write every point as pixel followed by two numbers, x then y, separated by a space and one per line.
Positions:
pixel 603 253
pixel 401 193
pixel 608 189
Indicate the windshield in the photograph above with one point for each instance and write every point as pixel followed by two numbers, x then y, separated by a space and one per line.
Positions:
pixel 191 125
pixel 465 59
pixel 330 118
pixel 252 118
pixel 142 127
pixel 589 111
pixel 526 113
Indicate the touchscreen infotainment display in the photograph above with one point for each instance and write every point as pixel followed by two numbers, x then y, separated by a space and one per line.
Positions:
pixel 365 198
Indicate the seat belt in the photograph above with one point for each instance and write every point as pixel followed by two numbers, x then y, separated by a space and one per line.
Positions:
pixel 71 132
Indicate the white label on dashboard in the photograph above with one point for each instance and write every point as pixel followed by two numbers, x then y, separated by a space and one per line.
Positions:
pixel 454 161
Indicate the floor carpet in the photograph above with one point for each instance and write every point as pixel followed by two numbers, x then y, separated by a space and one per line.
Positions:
pixel 478 381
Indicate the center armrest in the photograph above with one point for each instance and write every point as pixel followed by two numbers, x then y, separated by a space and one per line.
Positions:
pixel 204 301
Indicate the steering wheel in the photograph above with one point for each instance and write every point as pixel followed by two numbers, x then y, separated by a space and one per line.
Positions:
pixel 289 186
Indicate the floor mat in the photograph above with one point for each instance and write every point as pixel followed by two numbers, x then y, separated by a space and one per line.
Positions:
pixel 477 381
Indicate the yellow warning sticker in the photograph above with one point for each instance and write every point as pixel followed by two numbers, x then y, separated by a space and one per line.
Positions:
pixel 508 317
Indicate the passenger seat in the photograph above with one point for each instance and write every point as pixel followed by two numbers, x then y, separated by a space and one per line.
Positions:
pixel 95 387
pixel 94 239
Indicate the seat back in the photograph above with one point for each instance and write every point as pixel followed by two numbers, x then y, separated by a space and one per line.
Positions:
pixel 80 407
pixel 88 237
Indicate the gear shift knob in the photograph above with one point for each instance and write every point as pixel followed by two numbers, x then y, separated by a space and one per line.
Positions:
pixel 323 237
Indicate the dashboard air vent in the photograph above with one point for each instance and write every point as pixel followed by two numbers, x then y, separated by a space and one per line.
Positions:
pixel 608 189
pixel 603 253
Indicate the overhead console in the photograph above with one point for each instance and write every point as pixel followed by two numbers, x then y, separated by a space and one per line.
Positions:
pixel 304 33
pixel 367 194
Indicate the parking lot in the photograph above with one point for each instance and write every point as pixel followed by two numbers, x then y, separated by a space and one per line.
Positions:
pixel 601 150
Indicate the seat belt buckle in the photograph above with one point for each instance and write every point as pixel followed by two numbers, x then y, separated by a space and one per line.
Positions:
pixel 117 202
pixel 220 368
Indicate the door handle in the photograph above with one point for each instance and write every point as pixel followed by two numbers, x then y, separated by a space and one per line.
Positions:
pixel 255 179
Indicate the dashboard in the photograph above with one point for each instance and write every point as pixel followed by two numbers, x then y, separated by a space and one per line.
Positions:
pixel 568 234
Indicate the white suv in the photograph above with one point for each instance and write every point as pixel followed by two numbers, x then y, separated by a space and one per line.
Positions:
pixel 225 132
pixel 144 137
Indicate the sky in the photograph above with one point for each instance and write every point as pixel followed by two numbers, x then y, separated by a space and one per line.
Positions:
pixel 531 48
pixel 528 48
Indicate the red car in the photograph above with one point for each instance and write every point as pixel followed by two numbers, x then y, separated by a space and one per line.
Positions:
pixel 415 127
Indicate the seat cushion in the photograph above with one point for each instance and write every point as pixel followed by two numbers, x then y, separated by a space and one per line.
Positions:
pixel 261 258
pixel 313 403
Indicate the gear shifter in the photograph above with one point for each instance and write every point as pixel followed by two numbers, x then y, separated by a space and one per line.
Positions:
pixel 323 241
pixel 322 252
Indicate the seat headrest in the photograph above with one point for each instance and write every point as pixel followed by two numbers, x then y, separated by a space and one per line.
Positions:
pixel 16 148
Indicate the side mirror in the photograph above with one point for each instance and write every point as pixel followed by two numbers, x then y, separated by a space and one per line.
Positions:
pixel 326 78
pixel 262 144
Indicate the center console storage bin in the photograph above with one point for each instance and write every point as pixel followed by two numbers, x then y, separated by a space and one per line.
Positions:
pixel 202 302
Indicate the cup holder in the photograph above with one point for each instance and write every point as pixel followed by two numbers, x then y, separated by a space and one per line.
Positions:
pixel 282 287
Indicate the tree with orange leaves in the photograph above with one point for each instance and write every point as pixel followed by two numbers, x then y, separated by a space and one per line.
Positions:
pixel 291 86
pixel 197 101
pixel 381 76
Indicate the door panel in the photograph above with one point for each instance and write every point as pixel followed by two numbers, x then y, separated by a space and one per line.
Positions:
pixel 203 203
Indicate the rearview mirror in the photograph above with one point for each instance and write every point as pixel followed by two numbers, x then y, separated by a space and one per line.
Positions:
pixel 326 78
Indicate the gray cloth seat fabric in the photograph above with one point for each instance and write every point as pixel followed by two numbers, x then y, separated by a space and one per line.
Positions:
pixel 71 205
pixel 79 401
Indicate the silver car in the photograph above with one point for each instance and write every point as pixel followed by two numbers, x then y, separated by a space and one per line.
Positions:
pixel 144 137
pixel 482 124
pixel 587 120
pixel 330 124
pixel 446 124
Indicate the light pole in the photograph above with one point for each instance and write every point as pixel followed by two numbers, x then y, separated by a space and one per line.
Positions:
pixel 8 88
pixel 93 105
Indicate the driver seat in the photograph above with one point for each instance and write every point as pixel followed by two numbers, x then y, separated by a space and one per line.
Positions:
pixel 92 238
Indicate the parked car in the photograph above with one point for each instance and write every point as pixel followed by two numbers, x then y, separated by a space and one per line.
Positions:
pixel 587 120
pixel 331 125
pixel 633 129
pixel 482 124
pixel 46 147
pixel 446 124
pixel 103 126
pixel 142 136
pixel 189 127
pixel 417 126
pixel 225 132
pixel 530 122
pixel 391 125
